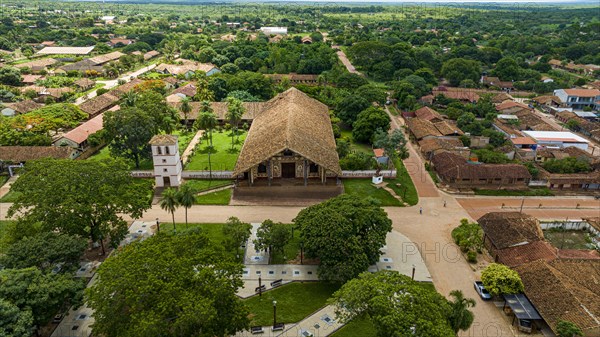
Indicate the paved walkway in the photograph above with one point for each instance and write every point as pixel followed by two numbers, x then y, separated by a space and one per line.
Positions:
pixel 6 187
pixel 342 56
pixel 191 146
pixel 253 256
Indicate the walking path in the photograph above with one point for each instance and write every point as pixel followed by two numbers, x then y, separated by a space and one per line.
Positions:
pixel 342 56
pixel 191 146
pixel 414 166
pixel 6 187
pixel 253 256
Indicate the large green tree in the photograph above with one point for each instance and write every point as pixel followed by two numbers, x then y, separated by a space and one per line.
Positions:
pixel 169 202
pixel 272 236
pixel 458 69
pixel 186 196
pixel 79 197
pixel 499 279
pixel 349 108
pixel 397 305
pixel 568 329
pixel 345 233
pixel 236 233
pixel 10 76
pixel 13 321
pixel 235 111
pixel 169 285
pixel 460 316
pixel 129 130
pixel 43 294
pixel 367 122
pixel 45 250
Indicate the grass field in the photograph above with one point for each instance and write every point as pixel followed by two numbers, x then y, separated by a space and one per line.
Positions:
pixel 222 157
pixel 204 185
pixel 403 185
pixel 359 327
pixel 359 147
pixel 215 198
pixel 364 187
pixel 295 301
pixel 568 239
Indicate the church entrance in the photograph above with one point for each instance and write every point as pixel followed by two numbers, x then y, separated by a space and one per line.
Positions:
pixel 288 170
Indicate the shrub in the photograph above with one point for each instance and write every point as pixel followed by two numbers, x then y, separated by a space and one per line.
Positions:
pixel 472 257
pixel 468 236
pixel 101 91
pixel 499 279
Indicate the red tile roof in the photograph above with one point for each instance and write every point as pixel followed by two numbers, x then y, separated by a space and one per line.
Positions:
pixel 583 92
pixel 82 132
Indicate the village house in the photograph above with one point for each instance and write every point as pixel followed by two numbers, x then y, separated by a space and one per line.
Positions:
pixel 291 138
pixel 25 106
pixel 558 139
pixel 38 65
pixel 186 68
pixel 457 172
pixel 431 146
pixel 495 82
pixel 119 42
pixel 84 84
pixel 294 78
pixel 77 138
pixel 66 50
pixel 501 97
pixel 98 104
pixel 150 55
pixel 274 30
pixel 428 114
pixel 578 99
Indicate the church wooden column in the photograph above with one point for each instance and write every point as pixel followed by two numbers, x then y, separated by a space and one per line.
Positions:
pixel 269 171
pixel 322 174
pixel 250 178
pixel 305 172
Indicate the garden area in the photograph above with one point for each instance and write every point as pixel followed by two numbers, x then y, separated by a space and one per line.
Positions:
pixel 568 239
pixel 295 301
pixel 223 157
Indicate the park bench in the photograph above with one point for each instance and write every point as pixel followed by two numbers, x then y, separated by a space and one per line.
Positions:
pixel 276 283
pixel 255 330
pixel 260 289
pixel 278 327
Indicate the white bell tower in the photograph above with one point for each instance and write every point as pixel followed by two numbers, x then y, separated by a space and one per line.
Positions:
pixel 165 157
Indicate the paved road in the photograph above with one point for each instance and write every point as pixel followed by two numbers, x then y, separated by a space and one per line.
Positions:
pixel 552 208
pixel 342 56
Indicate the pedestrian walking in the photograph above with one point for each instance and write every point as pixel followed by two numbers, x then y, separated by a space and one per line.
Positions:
pixel 444 203
pixel 421 210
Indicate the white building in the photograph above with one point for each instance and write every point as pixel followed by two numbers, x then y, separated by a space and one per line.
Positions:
pixel 558 139
pixel 274 30
pixel 579 98
pixel 166 160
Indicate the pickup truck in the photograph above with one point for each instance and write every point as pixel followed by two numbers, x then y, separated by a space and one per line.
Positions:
pixel 480 289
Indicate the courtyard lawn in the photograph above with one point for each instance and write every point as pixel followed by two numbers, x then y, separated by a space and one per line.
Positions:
pixel 205 184
pixel 215 198
pixel 214 231
pixel 358 327
pixel 364 187
pixel 358 147
pixel 403 185
pixel 295 301
pixel 516 193
pixel 568 239
pixel 222 157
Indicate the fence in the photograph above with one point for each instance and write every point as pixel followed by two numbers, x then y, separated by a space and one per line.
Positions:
pixel 368 174
pixel 206 174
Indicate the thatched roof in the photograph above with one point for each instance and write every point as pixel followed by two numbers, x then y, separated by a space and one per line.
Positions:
pixel 98 104
pixel 501 97
pixel 291 120
pixel 163 140
pixel 17 154
pixel 421 128
pixel 84 83
pixel 509 229
pixel 566 290
pixel 453 167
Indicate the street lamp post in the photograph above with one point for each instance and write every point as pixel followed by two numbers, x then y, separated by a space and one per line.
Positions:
pixel 274 313
pixel 157 226
pixel 301 252
pixel 413 272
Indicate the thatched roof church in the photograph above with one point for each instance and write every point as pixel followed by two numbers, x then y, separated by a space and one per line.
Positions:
pixel 292 138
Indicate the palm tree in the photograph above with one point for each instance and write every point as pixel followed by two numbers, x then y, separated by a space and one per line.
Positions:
pixel 185 109
pixel 186 197
pixel 208 121
pixel 461 317
pixel 203 92
pixel 130 98
pixel 169 203
pixel 235 110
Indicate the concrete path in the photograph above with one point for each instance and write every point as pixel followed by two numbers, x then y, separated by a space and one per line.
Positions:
pixel 191 146
pixel 6 187
pixel 253 256
pixel 342 56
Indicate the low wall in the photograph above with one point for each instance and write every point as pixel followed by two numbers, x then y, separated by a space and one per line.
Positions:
pixel 368 174
pixel 207 174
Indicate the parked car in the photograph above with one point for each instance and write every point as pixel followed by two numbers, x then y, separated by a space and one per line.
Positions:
pixel 480 289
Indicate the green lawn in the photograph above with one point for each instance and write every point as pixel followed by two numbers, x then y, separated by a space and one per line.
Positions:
pixel 215 198
pixel 10 196
pixel 213 230
pixel 359 327
pixel 203 185
pixel 364 187
pixel 403 185
pixel 295 301
pixel 222 157
pixel 358 147
pixel 516 193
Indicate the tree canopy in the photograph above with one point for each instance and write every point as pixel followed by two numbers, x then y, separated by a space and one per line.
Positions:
pixel 499 279
pixel 345 233
pixel 169 285
pixel 76 197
